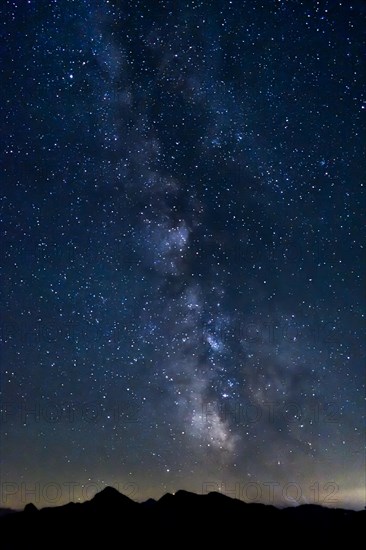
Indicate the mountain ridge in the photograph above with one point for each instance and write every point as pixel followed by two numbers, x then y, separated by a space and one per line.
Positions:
pixel 208 517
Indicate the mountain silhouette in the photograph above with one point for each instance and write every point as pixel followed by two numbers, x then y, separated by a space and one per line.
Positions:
pixel 6 511
pixel 113 520
pixel 112 500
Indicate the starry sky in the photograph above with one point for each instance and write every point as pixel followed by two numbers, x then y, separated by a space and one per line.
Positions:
pixel 182 249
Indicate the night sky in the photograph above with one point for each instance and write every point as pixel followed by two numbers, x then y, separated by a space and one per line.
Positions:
pixel 182 249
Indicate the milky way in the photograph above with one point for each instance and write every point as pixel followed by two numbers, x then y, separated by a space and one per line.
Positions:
pixel 182 244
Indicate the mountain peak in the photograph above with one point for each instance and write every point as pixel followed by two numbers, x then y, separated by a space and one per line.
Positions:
pixel 111 497
pixel 30 508
pixel 182 493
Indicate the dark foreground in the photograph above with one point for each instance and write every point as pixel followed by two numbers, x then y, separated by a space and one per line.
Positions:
pixel 112 520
